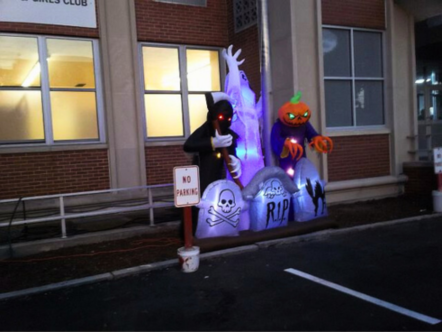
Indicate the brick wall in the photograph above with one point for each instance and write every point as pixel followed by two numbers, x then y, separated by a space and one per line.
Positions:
pixel 45 173
pixel 50 29
pixel 180 24
pixel 248 41
pixel 354 13
pixel 160 161
pixel 357 157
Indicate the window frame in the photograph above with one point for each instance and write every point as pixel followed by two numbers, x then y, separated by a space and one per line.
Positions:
pixel 195 3
pixel 45 91
pixel 353 79
pixel 184 91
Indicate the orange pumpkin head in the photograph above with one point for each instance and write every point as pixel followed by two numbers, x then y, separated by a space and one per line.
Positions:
pixel 294 113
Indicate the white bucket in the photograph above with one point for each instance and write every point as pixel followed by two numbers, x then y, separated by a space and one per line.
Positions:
pixel 189 259
pixel 437 201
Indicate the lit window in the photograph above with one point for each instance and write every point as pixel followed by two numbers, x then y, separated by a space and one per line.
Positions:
pixel 354 79
pixel 48 90
pixel 175 80
pixel 21 110
pixel 202 75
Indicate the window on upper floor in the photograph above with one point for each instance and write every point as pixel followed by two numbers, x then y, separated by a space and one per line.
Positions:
pixel 49 90
pixel 353 77
pixel 175 80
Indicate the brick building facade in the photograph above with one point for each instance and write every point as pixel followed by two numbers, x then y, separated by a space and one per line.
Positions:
pixel 125 156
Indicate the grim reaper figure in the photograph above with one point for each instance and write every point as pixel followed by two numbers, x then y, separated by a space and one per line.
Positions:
pixel 206 143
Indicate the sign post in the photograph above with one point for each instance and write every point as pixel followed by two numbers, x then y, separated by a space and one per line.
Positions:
pixel 187 193
pixel 186 185
pixel 437 154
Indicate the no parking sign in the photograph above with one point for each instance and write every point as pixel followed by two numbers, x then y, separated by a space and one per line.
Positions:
pixel 437 154
pixel 186 183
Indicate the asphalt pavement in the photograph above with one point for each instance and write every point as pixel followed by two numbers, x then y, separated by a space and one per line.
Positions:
pixel 383 278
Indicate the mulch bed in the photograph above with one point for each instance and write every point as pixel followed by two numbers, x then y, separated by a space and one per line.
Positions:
pixel 86 260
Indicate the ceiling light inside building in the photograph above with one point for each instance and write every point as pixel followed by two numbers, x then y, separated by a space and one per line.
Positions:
pixel 35 71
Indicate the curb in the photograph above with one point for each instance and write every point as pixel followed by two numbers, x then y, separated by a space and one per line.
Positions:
pixel 118 274
pixel 40 246
pixel 58 285
pixel 230 251
pixel 329 232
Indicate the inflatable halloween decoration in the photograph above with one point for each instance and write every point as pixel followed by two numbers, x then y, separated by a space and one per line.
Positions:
pixel 207 142
pixel 220 209
pixel 210 144
pixel 268 196
pixel 310 202
pixel 290 132
pixel 246 117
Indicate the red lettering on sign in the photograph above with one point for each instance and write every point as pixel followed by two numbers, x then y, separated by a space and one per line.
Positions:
pixel 187 192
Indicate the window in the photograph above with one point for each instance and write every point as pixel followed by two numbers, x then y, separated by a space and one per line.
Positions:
pixel 354 79
pixel 48 90
pixel 175 80
pixel 245 14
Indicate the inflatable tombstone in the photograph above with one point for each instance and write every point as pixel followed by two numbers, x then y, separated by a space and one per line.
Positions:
pixel 310 202
pixel 220 209
pixel 269 195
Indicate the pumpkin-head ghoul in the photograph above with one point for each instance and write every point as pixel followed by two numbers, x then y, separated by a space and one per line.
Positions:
pixel 294 113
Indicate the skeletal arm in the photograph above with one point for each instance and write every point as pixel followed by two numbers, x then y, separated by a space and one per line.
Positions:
pixel 233 88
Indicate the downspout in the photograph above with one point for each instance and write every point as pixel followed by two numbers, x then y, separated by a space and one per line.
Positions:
pixel 266 82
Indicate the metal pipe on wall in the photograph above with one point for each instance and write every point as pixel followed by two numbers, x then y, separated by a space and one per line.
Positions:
pixel 266 82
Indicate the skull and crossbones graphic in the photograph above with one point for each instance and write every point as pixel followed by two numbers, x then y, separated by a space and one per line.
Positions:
pixel 226 203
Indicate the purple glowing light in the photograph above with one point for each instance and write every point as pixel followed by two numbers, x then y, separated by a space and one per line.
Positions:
pixel 290 171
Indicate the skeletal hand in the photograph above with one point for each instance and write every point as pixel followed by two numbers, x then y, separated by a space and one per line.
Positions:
pixel 236 166
pixel 232 59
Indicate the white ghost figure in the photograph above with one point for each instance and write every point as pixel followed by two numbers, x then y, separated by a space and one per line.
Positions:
pixel 246 118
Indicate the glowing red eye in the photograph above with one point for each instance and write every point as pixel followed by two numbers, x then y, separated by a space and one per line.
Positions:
pixel 221 117
pixel 230 119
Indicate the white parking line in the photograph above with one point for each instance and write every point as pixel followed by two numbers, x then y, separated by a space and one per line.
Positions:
pixel 390 306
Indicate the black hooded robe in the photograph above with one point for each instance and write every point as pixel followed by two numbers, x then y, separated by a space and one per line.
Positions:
pixel 209 161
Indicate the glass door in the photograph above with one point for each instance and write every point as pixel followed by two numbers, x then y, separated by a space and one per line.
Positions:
pixel 429 119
